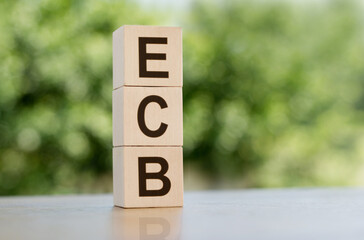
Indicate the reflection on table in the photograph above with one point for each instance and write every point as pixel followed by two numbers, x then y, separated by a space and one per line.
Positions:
pixel 147 223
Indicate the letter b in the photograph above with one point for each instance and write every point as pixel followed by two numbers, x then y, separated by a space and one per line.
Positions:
pixel 143 176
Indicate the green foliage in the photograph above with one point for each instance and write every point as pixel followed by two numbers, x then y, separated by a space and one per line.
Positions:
pixel 273 93
pixel 55 95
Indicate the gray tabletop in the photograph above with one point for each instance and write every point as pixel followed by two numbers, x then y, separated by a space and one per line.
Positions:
pixel 244 214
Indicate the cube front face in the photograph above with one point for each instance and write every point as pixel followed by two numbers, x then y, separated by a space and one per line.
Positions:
pixel 148 176
pixel 147 56
pixel 147 116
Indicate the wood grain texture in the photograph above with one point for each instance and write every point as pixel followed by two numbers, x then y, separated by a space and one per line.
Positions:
pixel 126 56
pixel 126 128
pixel 126 177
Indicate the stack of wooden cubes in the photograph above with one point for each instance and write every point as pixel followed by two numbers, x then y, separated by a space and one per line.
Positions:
pixel 147 117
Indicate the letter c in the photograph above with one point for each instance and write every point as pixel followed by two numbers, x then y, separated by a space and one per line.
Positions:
pixel 141 118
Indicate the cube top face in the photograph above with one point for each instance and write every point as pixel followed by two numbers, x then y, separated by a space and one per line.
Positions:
pixel 147 116
pixel 163 187
pixel 147 56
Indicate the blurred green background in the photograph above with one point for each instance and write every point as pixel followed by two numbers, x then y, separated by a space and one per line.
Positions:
pixel 273 92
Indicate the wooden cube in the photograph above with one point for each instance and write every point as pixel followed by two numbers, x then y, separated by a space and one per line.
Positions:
pixel 147 56
pixel 148 176
pixel 147 116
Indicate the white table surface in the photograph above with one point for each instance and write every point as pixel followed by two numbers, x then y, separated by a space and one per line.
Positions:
pixel 335 213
